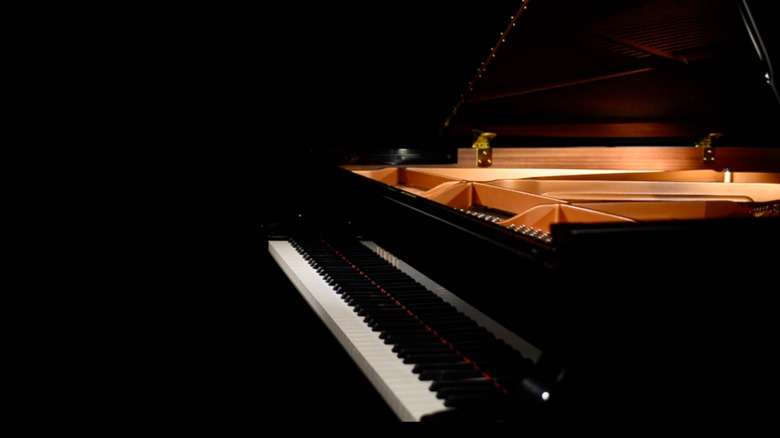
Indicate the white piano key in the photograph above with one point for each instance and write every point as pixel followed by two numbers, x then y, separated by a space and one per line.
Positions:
pixel 408 396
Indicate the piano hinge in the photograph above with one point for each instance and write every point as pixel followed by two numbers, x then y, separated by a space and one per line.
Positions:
pixel 707 149
pixel 482 144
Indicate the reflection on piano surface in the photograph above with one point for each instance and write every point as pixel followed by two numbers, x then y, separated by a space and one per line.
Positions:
pixel 596 257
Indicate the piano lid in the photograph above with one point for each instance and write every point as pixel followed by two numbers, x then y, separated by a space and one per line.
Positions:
pixel 623 72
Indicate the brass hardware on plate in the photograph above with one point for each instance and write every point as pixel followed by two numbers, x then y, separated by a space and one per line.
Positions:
pixel 482 145
pixel 707 149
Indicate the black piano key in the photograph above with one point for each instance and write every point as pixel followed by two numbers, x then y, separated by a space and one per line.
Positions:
pixel 377 303
pixel 472 388
pixel 467 365
pixel 477 382
pixel 474 399
pixel 370 310
pixel 466 331
pixel 446 371
pixel 432 357
pixel 389 320
pixel 397 332
pixel 404 350
pixel 404 287
pixel 394 324
pixel 409 338
pixel 439 313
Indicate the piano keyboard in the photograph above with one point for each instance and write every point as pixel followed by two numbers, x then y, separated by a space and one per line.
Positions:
pixel 429 354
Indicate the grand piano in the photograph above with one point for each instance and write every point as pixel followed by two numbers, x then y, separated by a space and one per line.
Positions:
pixel 592 233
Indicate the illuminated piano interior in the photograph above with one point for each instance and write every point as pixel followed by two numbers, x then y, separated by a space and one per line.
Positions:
pixel 530 201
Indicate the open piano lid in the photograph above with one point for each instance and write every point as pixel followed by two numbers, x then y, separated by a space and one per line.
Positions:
pixel 613 73
pixel 651 72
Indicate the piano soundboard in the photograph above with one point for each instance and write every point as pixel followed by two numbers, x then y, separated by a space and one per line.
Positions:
pixel 429 354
